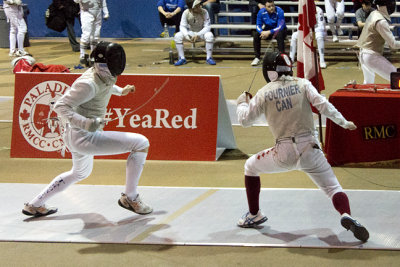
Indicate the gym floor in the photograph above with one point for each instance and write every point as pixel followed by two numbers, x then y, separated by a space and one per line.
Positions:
pixel 150 56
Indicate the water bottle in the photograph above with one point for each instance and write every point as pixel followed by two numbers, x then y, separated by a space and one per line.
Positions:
pixel 166 32
pixel 171 52
pixel 171 57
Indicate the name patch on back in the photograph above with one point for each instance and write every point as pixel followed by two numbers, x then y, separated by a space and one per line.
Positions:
pixel 282 96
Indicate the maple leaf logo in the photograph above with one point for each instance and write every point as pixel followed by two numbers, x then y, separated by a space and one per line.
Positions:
pixel 24 115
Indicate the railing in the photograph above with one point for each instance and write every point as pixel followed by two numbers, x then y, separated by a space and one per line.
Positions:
pixel 291 21
pixel 243 31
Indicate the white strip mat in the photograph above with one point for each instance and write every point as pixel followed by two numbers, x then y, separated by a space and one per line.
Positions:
pixel 6 98
pixel 200 216
pixel 6 103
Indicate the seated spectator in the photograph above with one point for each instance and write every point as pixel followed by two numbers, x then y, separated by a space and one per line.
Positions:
pixel 170 12
pixel 270 25
pixel 362 14
pixel 195 26
pixel 356 5
pixel 320 34
pixel 212 7
pixel 335 10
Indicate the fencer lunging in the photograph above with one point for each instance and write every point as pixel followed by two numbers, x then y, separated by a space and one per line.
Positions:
pixel 82 109
pixel 375 33
pixel 15 16
pixel 285 102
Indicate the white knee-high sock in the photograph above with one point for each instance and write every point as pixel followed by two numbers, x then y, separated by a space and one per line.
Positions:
pixel 338 22
pixel 13 42
pixel 209 49
pixel 134 168
pixel 293 49
pixel 60 183
pixel 321 45
pixel 82 49
pixel 20 39
pixel 179 48
pixel 82 52
pixel 332 28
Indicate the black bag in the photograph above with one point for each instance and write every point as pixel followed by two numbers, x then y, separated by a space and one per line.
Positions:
pixel 55 19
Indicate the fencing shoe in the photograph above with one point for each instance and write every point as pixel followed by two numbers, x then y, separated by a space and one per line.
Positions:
pixel 12 53
pixel 84 60
pixel 359 231
pixel 21 53
pixel 322 64
pixel 210 61
pixel 248 220
pixel 31 210
pixel 136 205
pixel 335 39
pixel 255 62
pixel 181 61
pixel 339 31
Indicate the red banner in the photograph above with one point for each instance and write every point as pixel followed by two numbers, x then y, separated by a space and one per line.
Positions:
pixel 178 114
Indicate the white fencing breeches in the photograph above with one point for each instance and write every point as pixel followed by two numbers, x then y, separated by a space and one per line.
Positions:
pixel 334 8
pixel 375 63
pixel 91 26
pixel 286 156
pixel 208 37
pixel 18 28
pixel 84 146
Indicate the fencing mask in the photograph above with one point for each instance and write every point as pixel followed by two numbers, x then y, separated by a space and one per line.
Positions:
pixel 112 54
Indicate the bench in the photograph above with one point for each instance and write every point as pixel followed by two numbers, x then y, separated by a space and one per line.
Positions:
pixel 239 31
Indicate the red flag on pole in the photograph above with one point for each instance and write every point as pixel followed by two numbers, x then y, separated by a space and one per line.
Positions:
pixel 307 65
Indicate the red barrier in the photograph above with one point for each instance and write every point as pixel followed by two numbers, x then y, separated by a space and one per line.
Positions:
pixel 180 115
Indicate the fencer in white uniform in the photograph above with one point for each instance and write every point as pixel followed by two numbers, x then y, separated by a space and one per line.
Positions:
pixel 195 26
pixel 375 33
pixel 82 109
pixel 285 102
pixel 15 16
pixel 320 34
pixel 92 13
pixel 334 9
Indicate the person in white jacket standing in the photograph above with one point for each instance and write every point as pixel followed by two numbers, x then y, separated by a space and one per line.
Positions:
pixel 92 14
pixel 82 109
pixel 15 16
pixel 285 102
